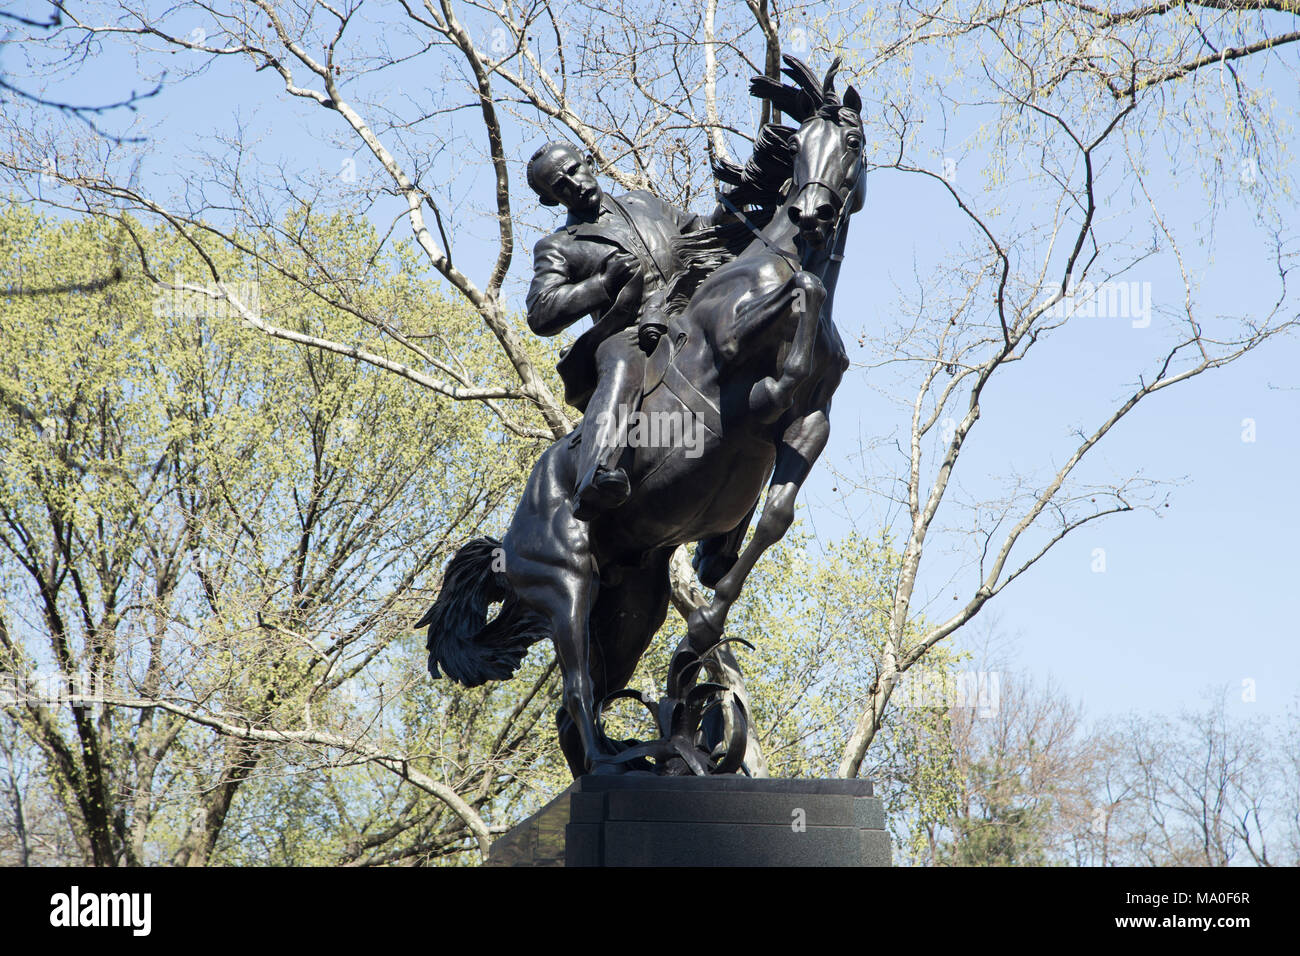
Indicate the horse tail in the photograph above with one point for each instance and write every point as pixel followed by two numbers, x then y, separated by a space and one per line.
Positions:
pixel 471 649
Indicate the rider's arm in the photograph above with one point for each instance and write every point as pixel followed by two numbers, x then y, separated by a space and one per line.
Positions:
pixel 555 300
pixel 719 215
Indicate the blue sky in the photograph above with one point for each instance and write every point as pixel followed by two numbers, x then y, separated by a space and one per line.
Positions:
pixel 1196 597
pixel 1200 596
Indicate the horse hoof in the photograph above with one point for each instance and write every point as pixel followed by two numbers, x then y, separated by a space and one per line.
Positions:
pixel 702 631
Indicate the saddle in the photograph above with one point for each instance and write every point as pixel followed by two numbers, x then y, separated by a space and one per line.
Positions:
pixel 662 370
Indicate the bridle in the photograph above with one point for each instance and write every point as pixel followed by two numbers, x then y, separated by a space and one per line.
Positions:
pixel 840 195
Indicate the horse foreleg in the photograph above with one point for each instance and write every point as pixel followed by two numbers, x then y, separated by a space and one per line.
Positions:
pixel 802 442
pixel 715 555
pixel 770 397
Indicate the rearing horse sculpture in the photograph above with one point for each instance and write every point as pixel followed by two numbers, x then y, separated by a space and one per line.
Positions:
pixel 755 358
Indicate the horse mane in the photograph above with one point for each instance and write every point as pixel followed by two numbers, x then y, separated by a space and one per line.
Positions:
pixel 756 188
pixel 759 181
pixel 702 251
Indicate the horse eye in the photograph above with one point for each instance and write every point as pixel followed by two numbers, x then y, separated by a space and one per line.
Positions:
pixel 854 141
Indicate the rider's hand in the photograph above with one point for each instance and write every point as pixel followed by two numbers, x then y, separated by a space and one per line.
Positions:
pixel 618 269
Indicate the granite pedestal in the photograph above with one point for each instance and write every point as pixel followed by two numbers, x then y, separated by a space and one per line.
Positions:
pixel 703 821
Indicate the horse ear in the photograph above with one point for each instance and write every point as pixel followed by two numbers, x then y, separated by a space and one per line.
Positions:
pixel 852 100
pixel 828 84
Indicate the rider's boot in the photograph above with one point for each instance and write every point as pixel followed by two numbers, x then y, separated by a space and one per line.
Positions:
pixel 603 485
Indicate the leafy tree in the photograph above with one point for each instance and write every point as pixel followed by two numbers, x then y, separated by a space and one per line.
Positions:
pixel 997 828
pixel 213 547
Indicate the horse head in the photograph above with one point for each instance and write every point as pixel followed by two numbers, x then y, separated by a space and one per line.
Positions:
pixel 825 154
pixel 826 182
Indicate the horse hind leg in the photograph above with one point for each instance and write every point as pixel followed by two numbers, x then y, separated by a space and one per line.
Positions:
pixel 549 566
pixel 715 555
pixel 564 591
pixel 624 621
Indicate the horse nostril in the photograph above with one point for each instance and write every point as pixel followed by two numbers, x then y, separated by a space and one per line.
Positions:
pixel 825 212
pixel 795 217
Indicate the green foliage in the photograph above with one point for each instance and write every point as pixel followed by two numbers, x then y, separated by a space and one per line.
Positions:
pixel 197 513
pixel 1001 828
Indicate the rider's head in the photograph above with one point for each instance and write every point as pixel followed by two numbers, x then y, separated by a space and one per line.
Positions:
pixel 560 175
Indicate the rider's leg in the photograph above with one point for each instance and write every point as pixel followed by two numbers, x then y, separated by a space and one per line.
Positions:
pixel 603 485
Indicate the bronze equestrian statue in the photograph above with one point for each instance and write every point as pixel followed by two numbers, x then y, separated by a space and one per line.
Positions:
pixel 746 347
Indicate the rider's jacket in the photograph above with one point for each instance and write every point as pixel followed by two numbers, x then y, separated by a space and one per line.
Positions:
pixel 567 284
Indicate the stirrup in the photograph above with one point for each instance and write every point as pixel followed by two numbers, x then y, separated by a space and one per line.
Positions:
pixel 604 490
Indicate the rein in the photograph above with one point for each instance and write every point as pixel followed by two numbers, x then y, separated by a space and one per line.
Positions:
pixel 841 198
pixel 758 234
